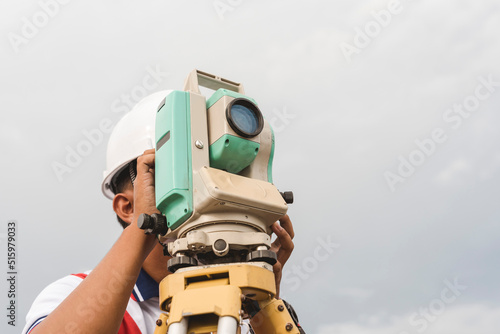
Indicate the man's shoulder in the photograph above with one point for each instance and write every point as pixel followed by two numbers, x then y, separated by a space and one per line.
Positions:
pixel 62 286
pixel 50 297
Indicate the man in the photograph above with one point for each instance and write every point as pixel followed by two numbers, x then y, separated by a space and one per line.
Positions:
pixel 121 294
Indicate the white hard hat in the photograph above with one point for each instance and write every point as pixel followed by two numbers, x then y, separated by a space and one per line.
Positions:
pixel 131 136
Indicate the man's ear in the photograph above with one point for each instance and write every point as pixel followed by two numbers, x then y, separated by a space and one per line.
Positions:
pixel 123 205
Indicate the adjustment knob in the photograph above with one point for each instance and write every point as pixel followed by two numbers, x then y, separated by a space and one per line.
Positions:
pixel 178 262
pixel 153 224
pixel 262 255
pixel 220 247
pixel 287 196
pixel 145 222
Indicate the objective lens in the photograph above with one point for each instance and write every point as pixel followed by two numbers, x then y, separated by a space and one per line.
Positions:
pixel 244 118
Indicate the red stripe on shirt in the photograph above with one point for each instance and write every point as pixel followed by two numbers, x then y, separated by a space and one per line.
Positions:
pixel 82 276
pixel 128 325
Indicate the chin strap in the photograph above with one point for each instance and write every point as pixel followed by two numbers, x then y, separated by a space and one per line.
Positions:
pixel 132 170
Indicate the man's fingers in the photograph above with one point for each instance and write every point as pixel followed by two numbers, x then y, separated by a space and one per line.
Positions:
pixel 275 246
pixel 286 223
pixel 285 243
pixel 283 246
pixel 146 161
pixel 144 185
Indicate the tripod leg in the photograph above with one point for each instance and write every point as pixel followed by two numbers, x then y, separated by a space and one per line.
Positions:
pixel 227 325
pixel 179 327
pixel 273 318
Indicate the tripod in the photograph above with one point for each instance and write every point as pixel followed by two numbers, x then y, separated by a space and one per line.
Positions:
pixel 217 298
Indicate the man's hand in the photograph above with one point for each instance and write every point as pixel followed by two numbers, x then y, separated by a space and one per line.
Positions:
pixel 144 185
pixel 282 246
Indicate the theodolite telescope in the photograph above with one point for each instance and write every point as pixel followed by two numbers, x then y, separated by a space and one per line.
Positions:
pixel 213 176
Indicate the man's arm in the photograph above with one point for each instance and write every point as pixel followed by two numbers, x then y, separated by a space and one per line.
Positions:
pixel 114 277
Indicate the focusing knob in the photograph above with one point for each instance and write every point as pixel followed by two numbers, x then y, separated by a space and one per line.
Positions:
pixel 145 222
pixel 153 224
pixel 287 196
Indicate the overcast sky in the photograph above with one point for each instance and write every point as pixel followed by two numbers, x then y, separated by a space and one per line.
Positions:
pixel 386 122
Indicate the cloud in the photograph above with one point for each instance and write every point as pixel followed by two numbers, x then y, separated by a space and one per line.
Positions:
pixel 357 294
pixel 459 319
pixel 454 171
